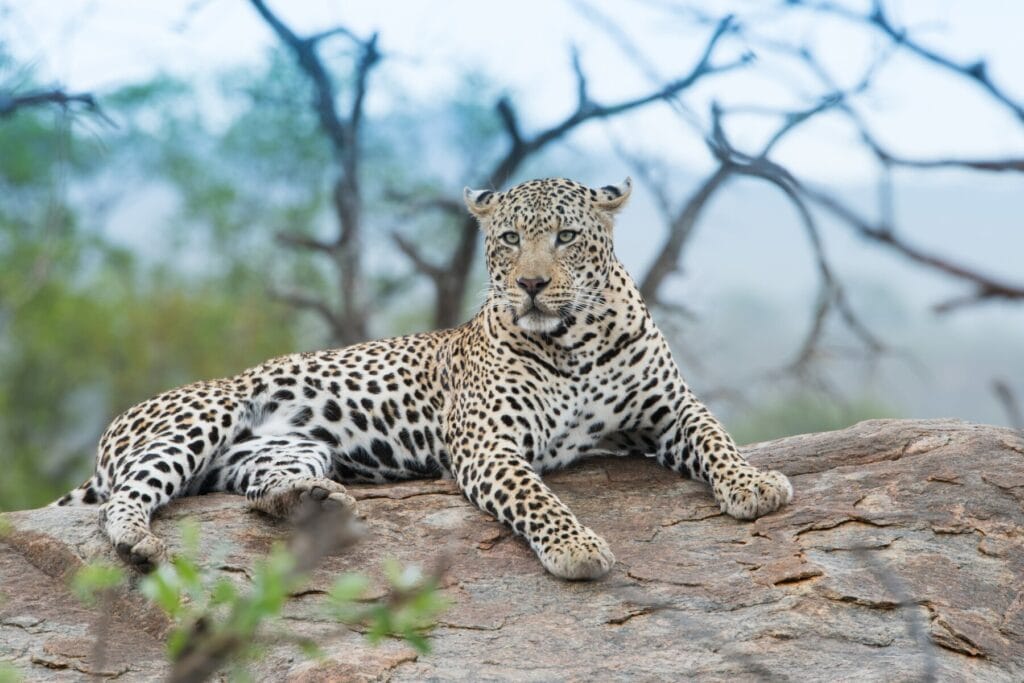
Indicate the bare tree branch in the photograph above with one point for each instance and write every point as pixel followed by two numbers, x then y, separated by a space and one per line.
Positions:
pixel 794 119
pixel 832 292
pixel 703 68
pixel 331 32
pixel 309 302
pixel 679 232
pixel 887 158
pixel 368 57
pixel 682 225
pixel 11 102
pixel 509 119
pixel 582 98
pixel 997 165
pixel 350 320
pixel 645 171
pixel 987 287
pixel 303 242
pixel 421 264
pixel 980 295
pixel 411 205
pixel 451 289
pixel 976 72
pixel 305 53
pixel 414 203
pixel 612 28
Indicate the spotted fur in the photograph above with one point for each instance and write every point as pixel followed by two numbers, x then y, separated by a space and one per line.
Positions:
pixel 563 360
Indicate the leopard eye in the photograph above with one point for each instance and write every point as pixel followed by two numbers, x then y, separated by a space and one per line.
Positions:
pixel 510 238
pixel 566 236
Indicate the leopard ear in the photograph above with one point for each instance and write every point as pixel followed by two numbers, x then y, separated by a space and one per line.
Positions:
pixel 480 202
pixel 611 198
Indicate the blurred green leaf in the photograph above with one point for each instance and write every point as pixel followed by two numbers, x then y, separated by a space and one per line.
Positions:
pixel 223 593
pixel 348 588
pixel 310 649
pixel 802 413
pixel 8 674
pixel 176 642
pixel 93 579
pixel 164 587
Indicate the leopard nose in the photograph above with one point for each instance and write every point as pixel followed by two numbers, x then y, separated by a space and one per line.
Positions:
pixel 533 285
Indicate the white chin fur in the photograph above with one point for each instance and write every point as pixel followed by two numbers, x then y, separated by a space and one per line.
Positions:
pixel 534 321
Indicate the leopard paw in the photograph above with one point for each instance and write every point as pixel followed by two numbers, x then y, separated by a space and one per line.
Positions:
pixel 753 493
pixel 583 556
pixel 143 551
pixel 298 499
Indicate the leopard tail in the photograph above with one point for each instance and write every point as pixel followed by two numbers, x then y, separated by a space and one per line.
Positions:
pixel 85 494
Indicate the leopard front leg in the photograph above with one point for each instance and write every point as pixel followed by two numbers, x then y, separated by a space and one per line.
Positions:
pixel 689 440
pixel 503 484
pixel 495 477
pixel 695 444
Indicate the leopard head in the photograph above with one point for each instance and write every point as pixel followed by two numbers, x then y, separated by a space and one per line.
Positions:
pixel 548 246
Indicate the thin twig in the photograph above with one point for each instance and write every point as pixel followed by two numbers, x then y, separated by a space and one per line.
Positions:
pixel 434 272
pixel 975 72
pixel 832 293
pixel 10 103
pixel 987 288
pixel 308 302
pixel 916 627
pixel 305 242
pixel 1008 399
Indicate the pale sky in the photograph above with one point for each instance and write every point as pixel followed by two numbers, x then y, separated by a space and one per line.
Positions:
pixel 749 243
pixel 101 44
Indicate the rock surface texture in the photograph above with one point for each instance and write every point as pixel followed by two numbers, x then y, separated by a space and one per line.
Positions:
pixel 900 558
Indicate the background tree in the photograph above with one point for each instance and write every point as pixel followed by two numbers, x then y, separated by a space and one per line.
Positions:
pixel 282 211
pixel 87 326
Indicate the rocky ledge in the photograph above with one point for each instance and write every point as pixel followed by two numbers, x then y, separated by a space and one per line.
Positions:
pixel 901 557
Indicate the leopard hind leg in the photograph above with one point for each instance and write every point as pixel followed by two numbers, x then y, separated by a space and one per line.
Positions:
pixel 146 480
pixel 281 475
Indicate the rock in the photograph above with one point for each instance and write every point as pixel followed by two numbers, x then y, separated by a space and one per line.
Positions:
pixel 900 558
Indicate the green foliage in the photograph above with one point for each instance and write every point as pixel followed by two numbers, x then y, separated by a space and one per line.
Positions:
pixel 239 182
pixel 413 607
pixel 90 325
pixel 416 612
pixel 802 413
pixel 190 596
pixel 79 352
pixel 213 616
pixel 87 327
pixel 8 674
pixel 95 579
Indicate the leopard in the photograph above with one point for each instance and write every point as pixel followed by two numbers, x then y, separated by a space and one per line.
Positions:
pixel 562 361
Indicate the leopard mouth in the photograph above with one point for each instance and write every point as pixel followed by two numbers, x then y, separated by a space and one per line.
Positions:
pixel 536 317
